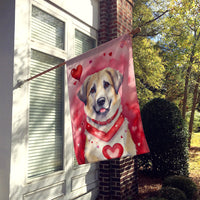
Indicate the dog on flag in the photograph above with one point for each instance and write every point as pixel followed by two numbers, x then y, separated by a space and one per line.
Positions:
pixel 107 133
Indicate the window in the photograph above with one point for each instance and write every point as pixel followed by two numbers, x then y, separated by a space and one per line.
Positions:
pixel 45 139
pixel 83 43
pixel 46 105
pixel 47 29
pixel 42 144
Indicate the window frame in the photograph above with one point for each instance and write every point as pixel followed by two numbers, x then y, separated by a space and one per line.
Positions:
pixel 58 183
pixel 55 52
pixel 70 25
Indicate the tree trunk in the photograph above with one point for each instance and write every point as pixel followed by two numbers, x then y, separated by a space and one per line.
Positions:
pixel 188 73
pixel 198 99
pixel 185 91
pixel 193 109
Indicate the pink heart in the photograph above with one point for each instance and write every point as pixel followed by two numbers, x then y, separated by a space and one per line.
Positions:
pixel 113 152
pixel 76 72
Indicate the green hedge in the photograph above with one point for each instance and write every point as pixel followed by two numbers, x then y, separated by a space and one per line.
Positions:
pixel 167 138
pixel 183 183
pixel 171 193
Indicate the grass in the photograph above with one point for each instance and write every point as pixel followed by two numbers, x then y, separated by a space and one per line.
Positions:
pixel 194 159
pixel 195 141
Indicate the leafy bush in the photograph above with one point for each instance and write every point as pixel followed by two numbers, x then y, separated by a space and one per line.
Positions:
pixel 167 138
pixel 171 193
pixel 183 183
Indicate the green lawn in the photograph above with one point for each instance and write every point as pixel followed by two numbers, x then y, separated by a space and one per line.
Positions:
pixel 194 161
pixel 195 142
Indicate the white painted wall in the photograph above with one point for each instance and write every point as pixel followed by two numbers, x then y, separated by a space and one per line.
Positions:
pixel 86 10
pixel 6 76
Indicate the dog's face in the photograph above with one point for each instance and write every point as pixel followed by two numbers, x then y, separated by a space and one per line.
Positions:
pixel 99 93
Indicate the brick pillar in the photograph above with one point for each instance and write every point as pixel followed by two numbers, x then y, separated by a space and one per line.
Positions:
pixel 115 19
pixel 117 177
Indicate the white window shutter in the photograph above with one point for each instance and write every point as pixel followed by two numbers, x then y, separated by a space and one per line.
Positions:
pixel 83 42
pixel 47 29
pixel 46 109
pixel 45 143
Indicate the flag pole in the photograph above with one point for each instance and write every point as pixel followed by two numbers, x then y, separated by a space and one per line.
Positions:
pixel 133 34
pixel 135 31
pixel 20 83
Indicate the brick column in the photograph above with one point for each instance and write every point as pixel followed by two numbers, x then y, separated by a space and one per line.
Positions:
pixel 117 177
pixel 115 19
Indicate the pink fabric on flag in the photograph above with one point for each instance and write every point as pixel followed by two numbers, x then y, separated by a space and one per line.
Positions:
pixel 104 109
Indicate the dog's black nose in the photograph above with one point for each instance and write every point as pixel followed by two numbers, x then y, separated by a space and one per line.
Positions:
pixel 101 101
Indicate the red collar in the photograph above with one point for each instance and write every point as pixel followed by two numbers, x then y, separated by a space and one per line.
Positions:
pixel 107 121
pixel 106 136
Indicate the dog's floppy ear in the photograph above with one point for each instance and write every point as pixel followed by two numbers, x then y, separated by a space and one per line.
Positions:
pixel 117 78
pixel 82 93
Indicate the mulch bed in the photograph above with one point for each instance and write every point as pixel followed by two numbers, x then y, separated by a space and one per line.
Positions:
pixel 148 186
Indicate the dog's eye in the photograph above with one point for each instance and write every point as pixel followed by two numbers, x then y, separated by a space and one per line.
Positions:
pixel 93 90
pixel 106 84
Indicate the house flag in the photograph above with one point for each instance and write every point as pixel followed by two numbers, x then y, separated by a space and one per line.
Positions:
pixel 104 109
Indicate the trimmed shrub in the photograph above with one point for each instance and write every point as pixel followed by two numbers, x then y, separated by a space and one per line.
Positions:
pixel 167 138
pixel 171 193
pixel 183 183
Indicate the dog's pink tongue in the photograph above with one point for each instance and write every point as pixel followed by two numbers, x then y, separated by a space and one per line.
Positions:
pixel 102 110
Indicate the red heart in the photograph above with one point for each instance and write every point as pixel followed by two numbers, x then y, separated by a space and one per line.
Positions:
pixel 113 152
pixel 110 54
pixel 76 72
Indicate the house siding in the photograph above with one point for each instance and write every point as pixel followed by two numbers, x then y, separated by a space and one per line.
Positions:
pixel 6 88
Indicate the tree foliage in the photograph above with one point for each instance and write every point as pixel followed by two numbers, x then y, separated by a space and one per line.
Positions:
pixel 172 30
pixel 149 67
pixel 183 29
pixel 182 39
